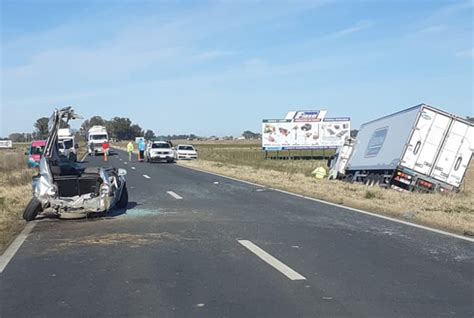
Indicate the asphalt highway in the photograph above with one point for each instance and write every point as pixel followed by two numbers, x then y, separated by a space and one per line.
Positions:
pixel 192 244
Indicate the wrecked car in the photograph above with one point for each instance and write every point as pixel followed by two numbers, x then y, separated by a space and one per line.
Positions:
pixel 65 188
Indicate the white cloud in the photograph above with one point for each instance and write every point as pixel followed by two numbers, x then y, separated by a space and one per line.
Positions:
pixel 213 54
pixel 361 25
pixel 466 54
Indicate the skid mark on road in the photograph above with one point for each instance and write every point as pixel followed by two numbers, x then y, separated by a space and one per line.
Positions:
pixel 115 239
pixel 272 261
pixel 133 213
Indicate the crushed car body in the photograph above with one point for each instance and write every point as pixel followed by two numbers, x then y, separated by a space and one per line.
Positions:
pixel 64 187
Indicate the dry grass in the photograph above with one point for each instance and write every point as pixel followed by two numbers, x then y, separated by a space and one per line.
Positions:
pixel 15 192
pixel 452 212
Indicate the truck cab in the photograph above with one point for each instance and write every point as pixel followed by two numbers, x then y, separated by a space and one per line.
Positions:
pixel 67 144
pixel 338 162
pixel 96 137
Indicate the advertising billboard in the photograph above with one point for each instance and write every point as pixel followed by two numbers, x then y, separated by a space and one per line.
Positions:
pixel 306 130
pixel 6 144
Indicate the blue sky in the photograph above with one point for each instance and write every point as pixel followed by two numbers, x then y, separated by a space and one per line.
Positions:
pixel 219 67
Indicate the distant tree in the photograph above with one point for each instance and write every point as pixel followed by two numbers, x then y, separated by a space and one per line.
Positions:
pixel 149 134
pixel 17 137
pixel 251 135
pixel 121 128
pixel 93 121
pixel 354 133
pixel 136 131
pixel 41 126
pixel 96 121
pixel 29 137
pixel 471 119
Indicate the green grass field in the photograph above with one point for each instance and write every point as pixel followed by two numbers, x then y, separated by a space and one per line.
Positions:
pixel 253 156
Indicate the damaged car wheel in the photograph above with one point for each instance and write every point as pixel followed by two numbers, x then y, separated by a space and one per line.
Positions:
pixel 123 202
pixel 32 210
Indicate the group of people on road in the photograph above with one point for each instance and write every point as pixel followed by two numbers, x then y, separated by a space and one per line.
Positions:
pixel 141 150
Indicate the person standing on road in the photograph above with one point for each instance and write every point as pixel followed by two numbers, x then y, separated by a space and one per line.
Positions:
pixel 130 149
pixel 105 149
pixel 141 149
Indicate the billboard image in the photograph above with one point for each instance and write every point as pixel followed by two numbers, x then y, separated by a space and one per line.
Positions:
pixel 304 131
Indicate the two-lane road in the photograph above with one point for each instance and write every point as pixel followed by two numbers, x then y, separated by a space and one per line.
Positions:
pixel 193 244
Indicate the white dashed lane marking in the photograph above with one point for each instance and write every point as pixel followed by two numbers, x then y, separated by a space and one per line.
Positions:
pixel 272 261
pixel 133 168
pixel 148 177
pixel 174 195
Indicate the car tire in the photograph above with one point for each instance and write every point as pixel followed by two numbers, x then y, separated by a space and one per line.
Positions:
pixel 32 210
pixel 123 201
pixel 170 160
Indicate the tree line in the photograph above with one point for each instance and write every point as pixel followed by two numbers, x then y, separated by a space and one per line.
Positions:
pixel 119 128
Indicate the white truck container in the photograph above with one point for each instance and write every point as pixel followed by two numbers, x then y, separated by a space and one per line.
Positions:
pixel 421 148
pixel 96 136
pixel 67 144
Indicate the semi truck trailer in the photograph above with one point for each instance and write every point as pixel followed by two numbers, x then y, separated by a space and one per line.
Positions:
pixel 421 148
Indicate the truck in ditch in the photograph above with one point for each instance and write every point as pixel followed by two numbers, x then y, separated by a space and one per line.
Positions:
pixel 420 148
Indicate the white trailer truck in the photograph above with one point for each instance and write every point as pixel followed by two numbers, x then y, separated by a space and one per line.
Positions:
pixel 96 137
pixel 67 144
pixel 418 149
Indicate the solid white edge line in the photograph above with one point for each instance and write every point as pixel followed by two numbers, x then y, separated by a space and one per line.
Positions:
pixel 15 246
pixel 340 206
pixel 146 176
pixel 174 195
pixel 272 261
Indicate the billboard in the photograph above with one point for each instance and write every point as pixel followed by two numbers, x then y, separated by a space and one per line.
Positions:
pixel 306 130
pixel 6 144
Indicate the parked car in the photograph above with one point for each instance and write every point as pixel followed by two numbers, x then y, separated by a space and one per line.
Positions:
pixel 160 151
pixel 35 152
pixel 67 189
pixel 186 152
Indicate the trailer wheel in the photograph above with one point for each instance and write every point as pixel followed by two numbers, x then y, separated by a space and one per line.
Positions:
pixel 32 210
pixel 367 180
pixel 373 180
